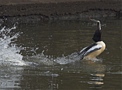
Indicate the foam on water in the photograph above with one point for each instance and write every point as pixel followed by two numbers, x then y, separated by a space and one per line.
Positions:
pixel 9 53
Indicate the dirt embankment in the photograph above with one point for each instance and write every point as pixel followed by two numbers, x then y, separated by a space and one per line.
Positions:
pixel 59 9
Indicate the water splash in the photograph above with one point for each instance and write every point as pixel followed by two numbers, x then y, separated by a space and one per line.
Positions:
pixel 42 59
pixel 9 54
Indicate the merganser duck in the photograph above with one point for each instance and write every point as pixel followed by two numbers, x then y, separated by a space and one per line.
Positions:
pixel 92 51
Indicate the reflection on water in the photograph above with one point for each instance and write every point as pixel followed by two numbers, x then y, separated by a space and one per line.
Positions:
pixel 97 73
pixel 44 56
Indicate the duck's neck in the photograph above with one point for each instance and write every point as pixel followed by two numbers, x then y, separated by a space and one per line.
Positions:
pixel 97 34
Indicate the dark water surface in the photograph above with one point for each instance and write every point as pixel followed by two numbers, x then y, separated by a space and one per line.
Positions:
pixel 42 56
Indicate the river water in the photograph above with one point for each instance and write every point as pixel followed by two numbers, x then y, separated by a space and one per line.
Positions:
pixel 43 56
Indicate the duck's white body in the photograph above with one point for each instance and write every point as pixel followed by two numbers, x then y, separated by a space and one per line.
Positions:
pixel 101 45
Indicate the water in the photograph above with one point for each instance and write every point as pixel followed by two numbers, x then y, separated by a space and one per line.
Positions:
pixel 43 56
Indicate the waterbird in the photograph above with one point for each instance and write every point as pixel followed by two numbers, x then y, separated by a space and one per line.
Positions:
pixel 92 51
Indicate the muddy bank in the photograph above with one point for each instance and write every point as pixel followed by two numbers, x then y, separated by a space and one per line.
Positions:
pixel 74 10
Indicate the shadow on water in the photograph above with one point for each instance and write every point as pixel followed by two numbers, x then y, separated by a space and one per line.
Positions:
pixel 43 56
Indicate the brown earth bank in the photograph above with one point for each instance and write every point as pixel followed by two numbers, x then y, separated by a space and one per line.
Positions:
pixel 39 10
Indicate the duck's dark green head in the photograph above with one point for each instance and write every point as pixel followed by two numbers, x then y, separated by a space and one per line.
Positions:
pixel 97 34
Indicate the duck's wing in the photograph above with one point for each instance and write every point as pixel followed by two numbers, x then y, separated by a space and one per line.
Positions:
pixel 92 49
pixel 89 49
pixel 81 51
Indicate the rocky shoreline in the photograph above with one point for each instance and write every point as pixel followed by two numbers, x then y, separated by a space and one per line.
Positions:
pixel 75 10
